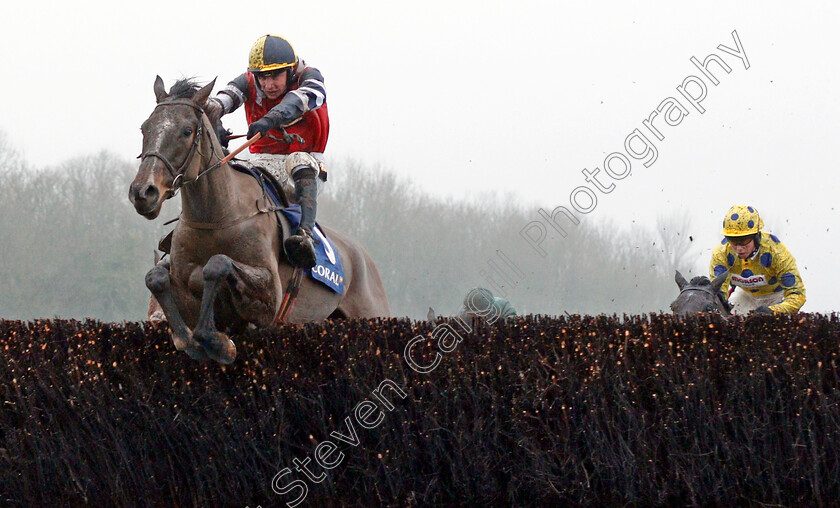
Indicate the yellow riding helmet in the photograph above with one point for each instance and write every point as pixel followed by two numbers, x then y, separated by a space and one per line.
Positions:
pixel 270 53
pixel 741 220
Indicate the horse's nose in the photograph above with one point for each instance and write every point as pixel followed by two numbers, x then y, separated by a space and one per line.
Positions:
pixel 143 194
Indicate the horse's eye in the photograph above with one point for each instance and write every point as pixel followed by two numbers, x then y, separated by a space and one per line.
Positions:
pixel 710 308
pixel 188 132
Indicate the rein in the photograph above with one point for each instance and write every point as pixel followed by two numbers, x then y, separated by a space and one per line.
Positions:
pixel 695 288
pixel 704 289
pixel 266 208
pixel 295 281
pixel 178 175
pixel 220 225
pixel 228 157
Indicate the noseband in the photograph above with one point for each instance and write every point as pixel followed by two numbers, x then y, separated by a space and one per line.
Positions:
pixel 704 289
pixel 178 175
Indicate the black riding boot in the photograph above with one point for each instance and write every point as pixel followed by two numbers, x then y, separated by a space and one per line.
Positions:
pixel 300 247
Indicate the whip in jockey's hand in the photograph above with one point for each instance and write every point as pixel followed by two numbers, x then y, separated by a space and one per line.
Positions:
pixel 263 125
pixel 279 90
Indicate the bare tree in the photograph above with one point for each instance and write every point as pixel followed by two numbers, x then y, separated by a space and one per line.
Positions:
pixel 675 238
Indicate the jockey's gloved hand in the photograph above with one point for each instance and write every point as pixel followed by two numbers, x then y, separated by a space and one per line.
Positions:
pixel 223 134
pixel 763 309
pixel 263 125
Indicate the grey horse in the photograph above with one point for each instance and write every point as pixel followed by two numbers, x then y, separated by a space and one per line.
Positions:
pixel 700 295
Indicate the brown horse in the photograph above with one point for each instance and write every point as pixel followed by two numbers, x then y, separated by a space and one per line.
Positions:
pixel 226 267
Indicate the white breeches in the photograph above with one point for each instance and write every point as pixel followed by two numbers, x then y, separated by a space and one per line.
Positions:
pixel 743 301
pixel 283 166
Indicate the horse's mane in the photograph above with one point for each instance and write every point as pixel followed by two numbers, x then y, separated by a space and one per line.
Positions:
pixel 184 89
pixel 700 280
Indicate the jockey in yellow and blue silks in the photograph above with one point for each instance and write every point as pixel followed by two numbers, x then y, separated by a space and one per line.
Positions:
pixel 760 267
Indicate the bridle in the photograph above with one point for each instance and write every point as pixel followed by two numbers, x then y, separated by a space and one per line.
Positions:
pixel 708 290
pixel 178 174
pixel 293 286
pixel 178 180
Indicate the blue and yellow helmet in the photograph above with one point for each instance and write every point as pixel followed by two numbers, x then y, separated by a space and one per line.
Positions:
pixel 271 53
pixel 741 220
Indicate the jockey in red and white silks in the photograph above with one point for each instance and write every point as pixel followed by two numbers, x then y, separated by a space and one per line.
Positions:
pixel 280 92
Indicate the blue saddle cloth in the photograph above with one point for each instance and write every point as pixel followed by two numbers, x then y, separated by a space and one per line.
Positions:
pixel 327 269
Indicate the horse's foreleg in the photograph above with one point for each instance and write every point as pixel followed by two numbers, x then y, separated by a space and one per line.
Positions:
pixel 158 282
pixel 217 344
pixel 253 297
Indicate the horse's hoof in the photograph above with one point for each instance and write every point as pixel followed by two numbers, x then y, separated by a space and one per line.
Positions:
pixel 157 317
pixel 217 346
pixel 224 351
pixel 196 353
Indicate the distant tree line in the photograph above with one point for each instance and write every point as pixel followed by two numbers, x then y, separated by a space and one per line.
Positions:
pixel 430 252
pixel 71 245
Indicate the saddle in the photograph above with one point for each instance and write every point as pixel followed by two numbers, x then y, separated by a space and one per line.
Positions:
pixel 272 188
pixel 328 269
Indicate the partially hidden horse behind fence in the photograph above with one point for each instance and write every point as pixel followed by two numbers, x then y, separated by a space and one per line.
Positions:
pixel 699 295
pixel 227 268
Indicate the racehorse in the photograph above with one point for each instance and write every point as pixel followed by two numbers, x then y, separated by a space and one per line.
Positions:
pixel 226 267
pixel 699 295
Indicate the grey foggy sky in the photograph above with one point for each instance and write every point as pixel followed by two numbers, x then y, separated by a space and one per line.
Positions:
pixel 491 100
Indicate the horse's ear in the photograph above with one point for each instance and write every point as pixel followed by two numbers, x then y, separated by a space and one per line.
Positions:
pixel 160 91
pixel 201 96
pixel 718 282
pixel 680 280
